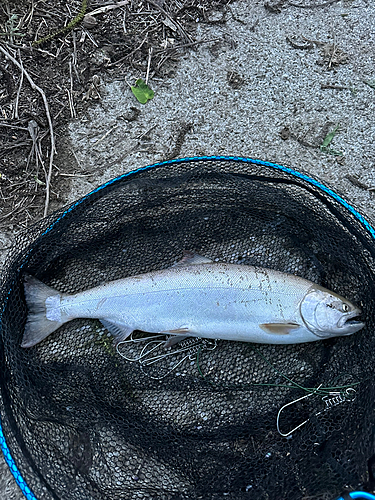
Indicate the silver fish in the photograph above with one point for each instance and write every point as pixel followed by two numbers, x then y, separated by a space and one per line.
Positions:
pixel 199 298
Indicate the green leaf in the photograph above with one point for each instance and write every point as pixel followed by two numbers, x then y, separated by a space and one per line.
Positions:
pixel 328 139
pixel 38 181
pixel 333 152
pixel 142 92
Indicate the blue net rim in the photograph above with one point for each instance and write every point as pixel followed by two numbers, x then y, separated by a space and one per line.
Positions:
pixel 239 159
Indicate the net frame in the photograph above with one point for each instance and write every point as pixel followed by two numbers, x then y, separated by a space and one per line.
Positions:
pixel 52 221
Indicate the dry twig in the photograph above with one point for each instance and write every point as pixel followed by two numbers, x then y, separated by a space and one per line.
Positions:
pixel 176 23
pixel 356 182
pixel 148 65
pixel 65 29
pixel 34 86
pixel 304 46
pixel 313 6
pixel 106 8
pixel 19 89
pixel 128 55
pixel 331 86
pixel 334 48
pixel 105 135
pixel 175 151
pixel 73 113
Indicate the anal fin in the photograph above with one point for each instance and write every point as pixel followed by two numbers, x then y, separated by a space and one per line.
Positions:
pixel 119 330
pixel 174 339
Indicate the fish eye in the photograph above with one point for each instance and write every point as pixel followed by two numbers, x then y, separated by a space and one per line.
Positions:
pixel 345 308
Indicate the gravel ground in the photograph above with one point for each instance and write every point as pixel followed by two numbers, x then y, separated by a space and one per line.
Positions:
pixel 270 85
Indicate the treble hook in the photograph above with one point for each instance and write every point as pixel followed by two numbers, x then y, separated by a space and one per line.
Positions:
pixel 191 347
pixel 188 349
pixel 155 339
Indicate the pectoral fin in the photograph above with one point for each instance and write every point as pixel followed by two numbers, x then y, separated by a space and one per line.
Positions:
pixel 178 331
pixel 177 335
pixel 279 328
pixel 119 330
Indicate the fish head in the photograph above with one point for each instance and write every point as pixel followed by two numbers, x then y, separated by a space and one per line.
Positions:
pixel 327 314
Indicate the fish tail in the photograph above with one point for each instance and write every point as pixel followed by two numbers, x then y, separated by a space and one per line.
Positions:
pixel 44 313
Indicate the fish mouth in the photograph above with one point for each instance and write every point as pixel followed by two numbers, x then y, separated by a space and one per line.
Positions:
pixel 350 322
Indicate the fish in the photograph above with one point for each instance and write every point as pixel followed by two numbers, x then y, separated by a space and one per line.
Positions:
pixel 197 297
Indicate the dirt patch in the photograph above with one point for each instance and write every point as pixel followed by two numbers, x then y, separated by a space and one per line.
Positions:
pixel 68 49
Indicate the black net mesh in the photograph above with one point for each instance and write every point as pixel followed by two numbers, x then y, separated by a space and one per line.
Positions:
pixel 84 422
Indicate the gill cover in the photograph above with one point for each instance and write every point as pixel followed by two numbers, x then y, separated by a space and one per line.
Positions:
pixel 327 314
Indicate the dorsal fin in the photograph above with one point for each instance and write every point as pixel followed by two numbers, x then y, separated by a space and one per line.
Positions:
pixel 190 259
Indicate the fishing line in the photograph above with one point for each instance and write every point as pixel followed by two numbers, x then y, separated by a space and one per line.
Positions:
pixel 322 391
